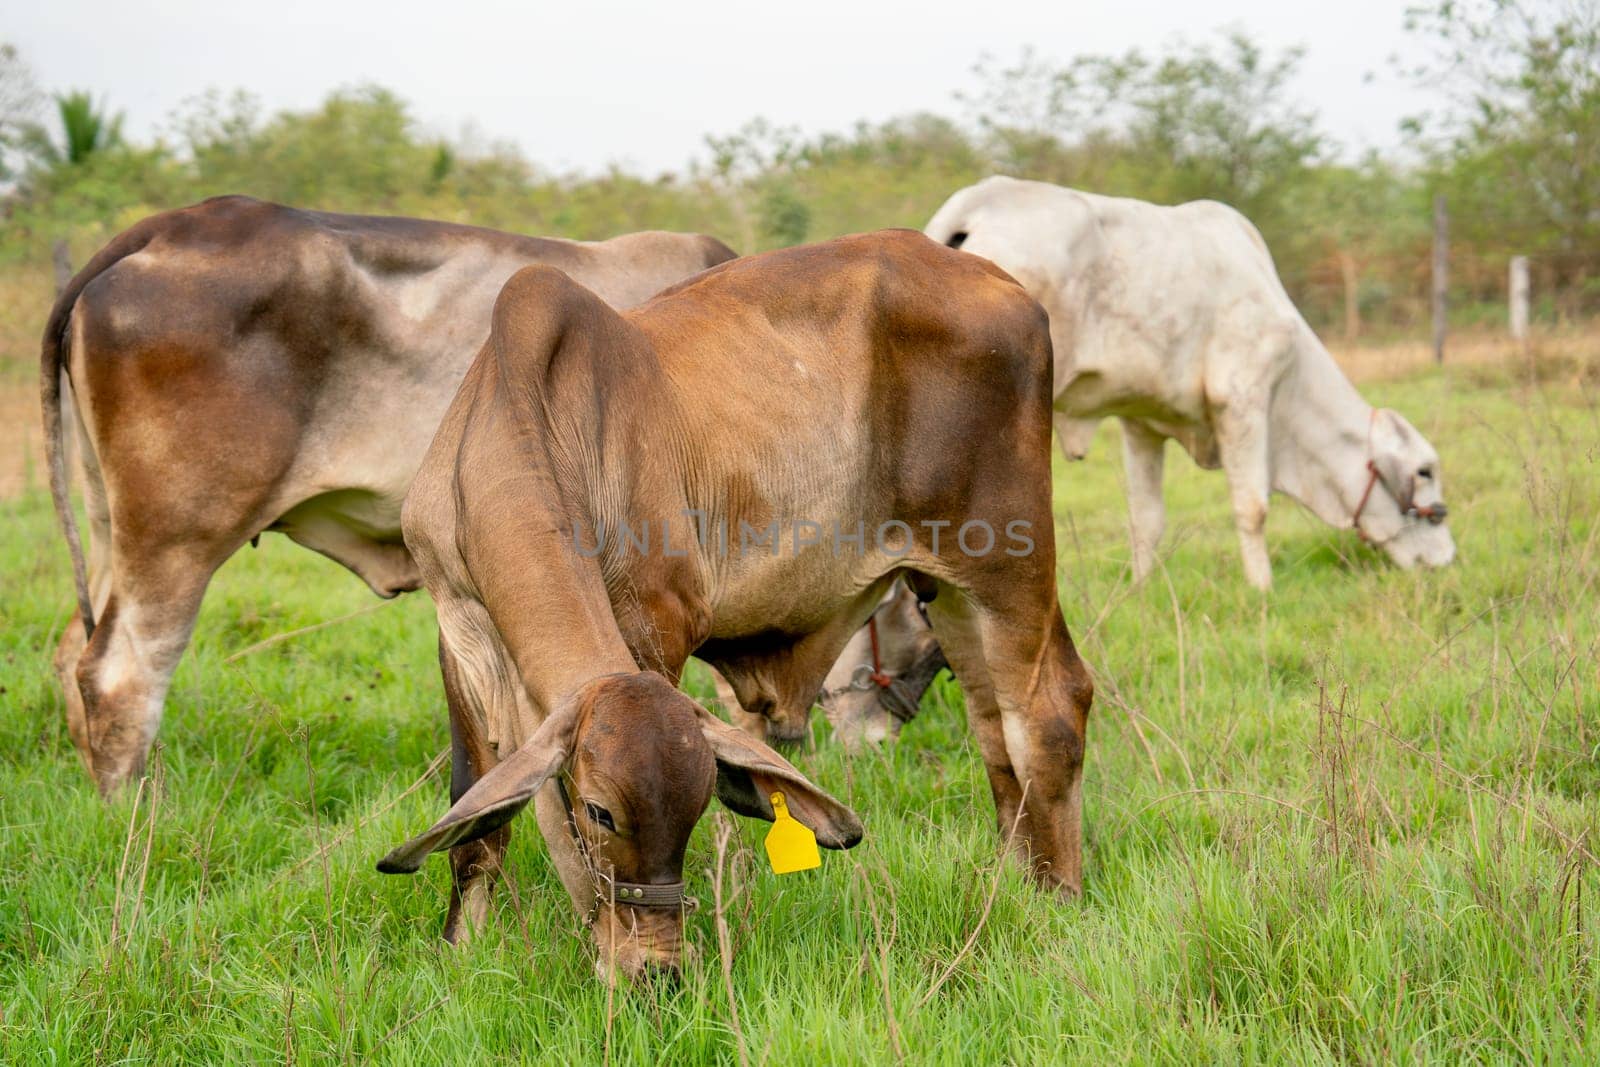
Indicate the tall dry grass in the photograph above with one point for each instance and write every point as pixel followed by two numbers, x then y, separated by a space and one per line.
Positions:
pixel 25 298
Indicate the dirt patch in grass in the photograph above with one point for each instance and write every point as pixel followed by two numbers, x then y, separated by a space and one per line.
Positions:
pixel 1557 355
pixel 21 445
pixel 25 297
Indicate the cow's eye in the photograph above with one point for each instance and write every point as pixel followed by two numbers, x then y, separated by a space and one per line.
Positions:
pixel 599 816
pixel 1424 472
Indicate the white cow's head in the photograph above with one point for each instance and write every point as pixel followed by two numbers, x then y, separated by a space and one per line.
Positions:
pixel 1404 512
pixel 875 687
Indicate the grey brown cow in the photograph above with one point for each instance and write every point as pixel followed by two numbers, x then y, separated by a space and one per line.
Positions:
pixel 239 366
pixel 737 470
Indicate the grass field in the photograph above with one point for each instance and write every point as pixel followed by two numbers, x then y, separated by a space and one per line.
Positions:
pixel 1352 821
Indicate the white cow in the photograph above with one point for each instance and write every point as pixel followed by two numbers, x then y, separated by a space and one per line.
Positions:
pixel 1173 320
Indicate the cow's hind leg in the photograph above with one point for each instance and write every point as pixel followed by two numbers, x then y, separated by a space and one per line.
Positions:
pixel 954 623
pixel 70 649
pixel 118 685
pixel 1028 696
pixel 69 653
pixel 1147 515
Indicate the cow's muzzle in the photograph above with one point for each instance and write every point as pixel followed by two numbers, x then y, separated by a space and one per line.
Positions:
pixel 1433 513
pixel 638 946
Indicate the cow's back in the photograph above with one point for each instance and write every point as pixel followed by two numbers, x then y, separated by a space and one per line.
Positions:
pixel 1144 299
pixel 830 381
pixel 1182 293
pixel 399 299
pixel 922 316
pixel 315 351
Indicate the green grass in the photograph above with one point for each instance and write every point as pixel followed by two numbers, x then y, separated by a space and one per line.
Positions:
pixel 1353 821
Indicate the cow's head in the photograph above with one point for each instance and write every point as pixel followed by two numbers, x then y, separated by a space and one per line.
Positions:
pixel 868 699
pixel 637 761
pixel 1407 518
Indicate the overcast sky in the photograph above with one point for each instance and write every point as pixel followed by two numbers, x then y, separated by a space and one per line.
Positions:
pixel 580 85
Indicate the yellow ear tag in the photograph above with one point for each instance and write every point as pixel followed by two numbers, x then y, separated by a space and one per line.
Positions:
pixel 791 846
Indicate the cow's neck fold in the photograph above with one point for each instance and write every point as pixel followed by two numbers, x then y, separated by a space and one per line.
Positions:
pixel 1319 431
pixel 567 635
pixel 614 471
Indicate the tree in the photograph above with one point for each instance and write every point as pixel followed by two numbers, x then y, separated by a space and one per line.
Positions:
pixel 785 218
pixel 893 173
pixel 743 162
pixel 88 130
pixel 220 135
pixel 79 172
pixel 1517 148
pixel 1202 120
pixel 1361 233
pixel 19 103
pixel 357 151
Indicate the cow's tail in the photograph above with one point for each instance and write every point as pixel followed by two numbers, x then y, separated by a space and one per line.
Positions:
pixel 52 367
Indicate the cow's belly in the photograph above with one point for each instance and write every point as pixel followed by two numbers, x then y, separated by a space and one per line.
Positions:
pixel 1151 367
pixel 777 626
pixel 795 594
pixel 344 494
pixel 1094 394
pixel 359 529
pixel 1164 416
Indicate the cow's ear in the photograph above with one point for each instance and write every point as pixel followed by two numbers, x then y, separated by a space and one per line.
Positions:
pixel 495 798
pixel 1393 443
pixel 748 772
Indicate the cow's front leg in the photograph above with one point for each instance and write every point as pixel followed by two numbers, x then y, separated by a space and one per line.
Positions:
pixel 1242 444
pixel 1142 456
pixel 474 869
pixel 474 866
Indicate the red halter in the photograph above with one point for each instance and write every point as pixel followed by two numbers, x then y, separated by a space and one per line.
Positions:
pixel 1433 513
pixel 879 675
pixel 1366 494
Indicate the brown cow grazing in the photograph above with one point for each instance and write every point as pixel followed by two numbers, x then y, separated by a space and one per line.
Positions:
pixel 737 470
pixel 237 367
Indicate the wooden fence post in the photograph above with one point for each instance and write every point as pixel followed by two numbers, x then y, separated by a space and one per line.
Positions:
pixel 1519 299
pixel 63 261
pixel 1352 295
pixel 1441 262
